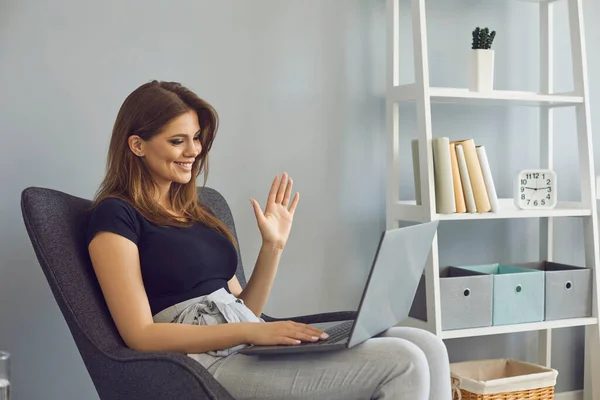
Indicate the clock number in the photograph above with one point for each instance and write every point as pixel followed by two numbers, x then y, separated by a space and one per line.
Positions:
pixel 548 197
pixel 534 175
pixel 543 201
pixel 547 181
pixel 522 188
pixel 522 197
pixel 535 203
pixel 523 181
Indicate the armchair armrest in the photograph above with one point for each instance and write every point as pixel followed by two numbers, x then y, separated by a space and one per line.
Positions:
pixel 166 376
pixel 174 375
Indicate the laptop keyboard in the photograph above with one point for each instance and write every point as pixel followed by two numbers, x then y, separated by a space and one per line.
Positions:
pixel 336 333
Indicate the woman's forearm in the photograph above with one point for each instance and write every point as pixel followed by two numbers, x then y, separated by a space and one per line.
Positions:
pixel 185 338
pixel 259 285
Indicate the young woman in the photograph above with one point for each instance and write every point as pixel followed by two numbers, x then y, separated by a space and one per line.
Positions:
pixel 166 267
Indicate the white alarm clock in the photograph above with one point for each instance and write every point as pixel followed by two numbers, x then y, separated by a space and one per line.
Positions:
pixel 535 189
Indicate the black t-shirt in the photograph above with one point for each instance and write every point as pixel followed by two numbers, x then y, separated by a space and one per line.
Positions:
pixel 177 263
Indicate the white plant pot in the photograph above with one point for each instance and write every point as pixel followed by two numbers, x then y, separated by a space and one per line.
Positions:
pixel 481 70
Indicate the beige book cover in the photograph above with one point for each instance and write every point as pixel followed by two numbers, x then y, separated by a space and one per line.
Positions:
pixel 487 176
pixel 459 196
pixel 442 166
pixel 482 200
pixel 465 180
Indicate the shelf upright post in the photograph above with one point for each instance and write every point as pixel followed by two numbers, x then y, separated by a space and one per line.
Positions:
pixel 588 191
pixel 392 128
pixel 546 237
pixel 423 105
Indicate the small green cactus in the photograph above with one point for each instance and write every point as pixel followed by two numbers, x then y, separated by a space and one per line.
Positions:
pixel 482 38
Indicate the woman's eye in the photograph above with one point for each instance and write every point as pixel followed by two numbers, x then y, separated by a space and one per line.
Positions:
pixel 178 142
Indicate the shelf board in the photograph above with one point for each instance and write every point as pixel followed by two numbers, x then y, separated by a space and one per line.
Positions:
pixel 536 326
pixel 537 1
pixel 497 97
pixel 409 211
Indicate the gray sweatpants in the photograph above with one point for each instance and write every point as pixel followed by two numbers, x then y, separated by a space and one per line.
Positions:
pixel 401 363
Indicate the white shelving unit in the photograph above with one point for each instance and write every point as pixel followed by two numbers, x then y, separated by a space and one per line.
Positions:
pixel 423 95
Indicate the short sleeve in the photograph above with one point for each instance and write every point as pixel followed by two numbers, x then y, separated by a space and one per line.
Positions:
pixel 116 216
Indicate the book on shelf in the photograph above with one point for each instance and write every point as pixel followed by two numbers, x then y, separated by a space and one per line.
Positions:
pixel 482 200
pixel 459 194
pixel 442 172
pixel 487 177
pixel 463 179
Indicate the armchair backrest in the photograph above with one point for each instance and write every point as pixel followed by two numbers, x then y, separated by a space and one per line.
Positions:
pixel 56 222
pixel 218 205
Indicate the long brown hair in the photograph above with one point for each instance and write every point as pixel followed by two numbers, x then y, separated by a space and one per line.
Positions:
pixel 145 112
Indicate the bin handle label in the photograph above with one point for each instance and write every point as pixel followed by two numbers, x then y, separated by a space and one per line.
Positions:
pixel 519 288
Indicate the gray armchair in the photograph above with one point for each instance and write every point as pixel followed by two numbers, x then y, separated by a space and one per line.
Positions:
pixel 55 223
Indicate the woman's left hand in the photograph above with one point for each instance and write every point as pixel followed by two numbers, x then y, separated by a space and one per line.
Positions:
pixel 275 223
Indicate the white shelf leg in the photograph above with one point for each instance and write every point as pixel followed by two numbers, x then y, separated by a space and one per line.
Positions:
pixel 588 192
pixel 546 153
pixel 393 190
pixel 423 104
pixel 392 127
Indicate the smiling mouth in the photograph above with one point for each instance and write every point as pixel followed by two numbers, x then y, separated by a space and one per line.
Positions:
pixel 186 166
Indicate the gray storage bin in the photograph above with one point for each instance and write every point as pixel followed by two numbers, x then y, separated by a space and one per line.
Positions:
pixel 568 290
pixel 418 309
pixel 465 297
pixel 518 293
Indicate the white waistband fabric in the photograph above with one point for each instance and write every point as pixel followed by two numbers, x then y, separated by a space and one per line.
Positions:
pixel 218 307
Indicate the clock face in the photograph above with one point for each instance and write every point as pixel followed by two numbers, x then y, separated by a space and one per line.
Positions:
pixel 536 189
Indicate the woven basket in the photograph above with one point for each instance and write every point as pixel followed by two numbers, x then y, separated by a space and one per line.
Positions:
pixel 546 393
pixel 502 379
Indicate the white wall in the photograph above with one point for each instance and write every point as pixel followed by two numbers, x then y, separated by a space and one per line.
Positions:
pixel 299 87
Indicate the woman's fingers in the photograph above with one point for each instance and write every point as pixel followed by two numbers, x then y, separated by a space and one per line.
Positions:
pixel 309 330
pixel 281 192
pixel 273 191
pixel 295 333
pixel 282 187
pixel 316 332
pixel 292 333
pixel 287 340
pixel 288 193
pixel 257 211
pixel 294 203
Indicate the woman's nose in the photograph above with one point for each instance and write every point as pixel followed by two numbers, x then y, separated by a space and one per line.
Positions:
pixel 194 149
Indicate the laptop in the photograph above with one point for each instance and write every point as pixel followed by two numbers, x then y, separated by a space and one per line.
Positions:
pixel 387 296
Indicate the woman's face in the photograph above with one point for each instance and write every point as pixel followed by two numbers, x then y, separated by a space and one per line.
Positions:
pixel 170 154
